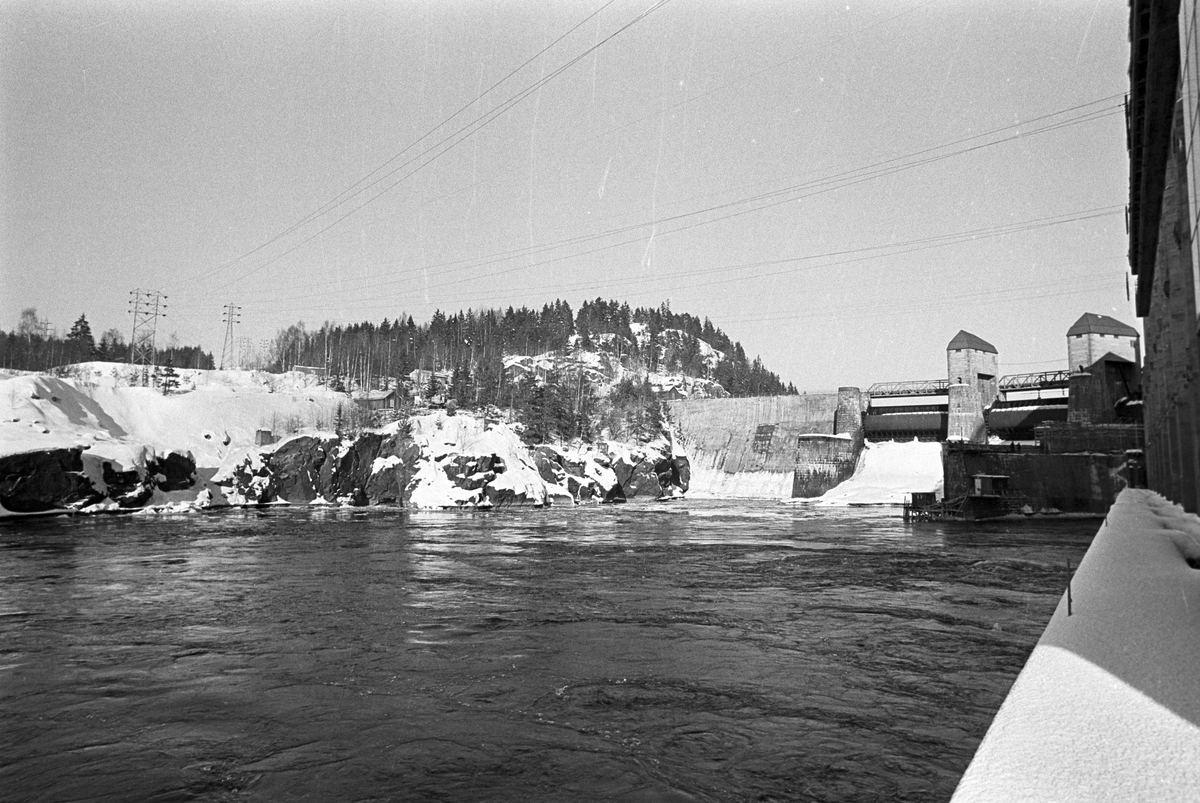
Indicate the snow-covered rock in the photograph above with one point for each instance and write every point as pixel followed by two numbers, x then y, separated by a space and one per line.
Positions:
pixel 90 443
pixel 447 461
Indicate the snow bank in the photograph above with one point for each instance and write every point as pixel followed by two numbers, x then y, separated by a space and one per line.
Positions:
pixel 219 412
pixel 211 421
pixel 1108 705
pixel 887 472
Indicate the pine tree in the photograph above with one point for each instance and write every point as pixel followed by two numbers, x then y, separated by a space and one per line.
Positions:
pixel 654 418
pixel 534 416
pixel 459 382
pixel 81 337
pixel 168 378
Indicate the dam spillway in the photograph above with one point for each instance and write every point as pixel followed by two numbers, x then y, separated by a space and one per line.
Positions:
pixel 770 446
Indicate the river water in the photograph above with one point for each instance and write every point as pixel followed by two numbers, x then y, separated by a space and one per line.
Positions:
pixel 696 651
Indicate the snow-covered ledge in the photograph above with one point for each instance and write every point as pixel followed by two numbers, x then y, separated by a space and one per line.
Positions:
pixel 1108 705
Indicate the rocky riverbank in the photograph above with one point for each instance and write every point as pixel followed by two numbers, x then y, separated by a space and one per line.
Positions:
pixel 438 461
pixel 112 448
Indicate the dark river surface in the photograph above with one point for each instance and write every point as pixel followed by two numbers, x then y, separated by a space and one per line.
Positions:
pixel 699 651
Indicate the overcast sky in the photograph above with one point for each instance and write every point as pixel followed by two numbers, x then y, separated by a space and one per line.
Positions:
pixel 839 186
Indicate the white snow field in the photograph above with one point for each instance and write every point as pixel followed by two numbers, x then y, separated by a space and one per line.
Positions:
pixel 214 414
pixel 213 417
pixel 1107 708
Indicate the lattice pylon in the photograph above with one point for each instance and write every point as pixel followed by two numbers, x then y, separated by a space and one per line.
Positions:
pixel 231 316
pixel 146 306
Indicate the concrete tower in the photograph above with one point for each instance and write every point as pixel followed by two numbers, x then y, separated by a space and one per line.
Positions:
pixel 1093 336
pixel 848 418
pixel 972 368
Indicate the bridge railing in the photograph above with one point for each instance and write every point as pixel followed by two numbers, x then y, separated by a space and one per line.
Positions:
pixel 920 387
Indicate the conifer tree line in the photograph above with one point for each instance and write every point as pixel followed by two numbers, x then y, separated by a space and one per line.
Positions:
pixel 468 348
pixel 33 347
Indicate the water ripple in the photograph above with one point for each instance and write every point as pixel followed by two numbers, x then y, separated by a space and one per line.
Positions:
pixel 709 651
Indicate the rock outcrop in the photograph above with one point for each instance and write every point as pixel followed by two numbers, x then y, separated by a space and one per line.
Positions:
pixel 57 480
pixel 373 468
pixel 38 482
pixel 442 461
pixel 490 468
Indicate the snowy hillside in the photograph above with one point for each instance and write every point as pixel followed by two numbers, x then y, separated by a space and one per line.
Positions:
pixel 214 412
pixel 94 442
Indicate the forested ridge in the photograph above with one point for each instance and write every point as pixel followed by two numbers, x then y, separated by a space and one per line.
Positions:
pixel 472 345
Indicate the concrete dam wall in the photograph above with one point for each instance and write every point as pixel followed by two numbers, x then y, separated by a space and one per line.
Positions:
pixel 770 446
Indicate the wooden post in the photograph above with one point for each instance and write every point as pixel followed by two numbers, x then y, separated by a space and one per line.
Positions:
pixel 1068 587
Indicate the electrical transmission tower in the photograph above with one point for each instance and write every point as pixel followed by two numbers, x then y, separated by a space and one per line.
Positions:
pixel 232 315
pixel 147 307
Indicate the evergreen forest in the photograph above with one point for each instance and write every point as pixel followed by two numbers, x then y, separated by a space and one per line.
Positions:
pixel 472 345
pixel 461 358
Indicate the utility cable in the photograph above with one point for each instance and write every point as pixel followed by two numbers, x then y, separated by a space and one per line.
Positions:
pixel 470 129
pixel 768 200
pixel 851 255
pixel 341 196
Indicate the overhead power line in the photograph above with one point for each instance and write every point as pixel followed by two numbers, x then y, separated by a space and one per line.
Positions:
pixel 792 264
pixel 607 132
pixel 450 141
pixel 793 192
pixel 349 192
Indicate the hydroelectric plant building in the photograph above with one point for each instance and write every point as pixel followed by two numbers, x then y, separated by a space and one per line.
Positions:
pixel 1108 704
pixel 1164 249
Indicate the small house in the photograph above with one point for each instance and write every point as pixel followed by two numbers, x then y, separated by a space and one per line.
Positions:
pixel 377 399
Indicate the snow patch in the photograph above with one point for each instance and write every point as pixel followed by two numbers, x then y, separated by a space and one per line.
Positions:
pixel 384 463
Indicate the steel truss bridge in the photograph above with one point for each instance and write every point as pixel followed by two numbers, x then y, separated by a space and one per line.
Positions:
pixel 1046 380
pixel 920 387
